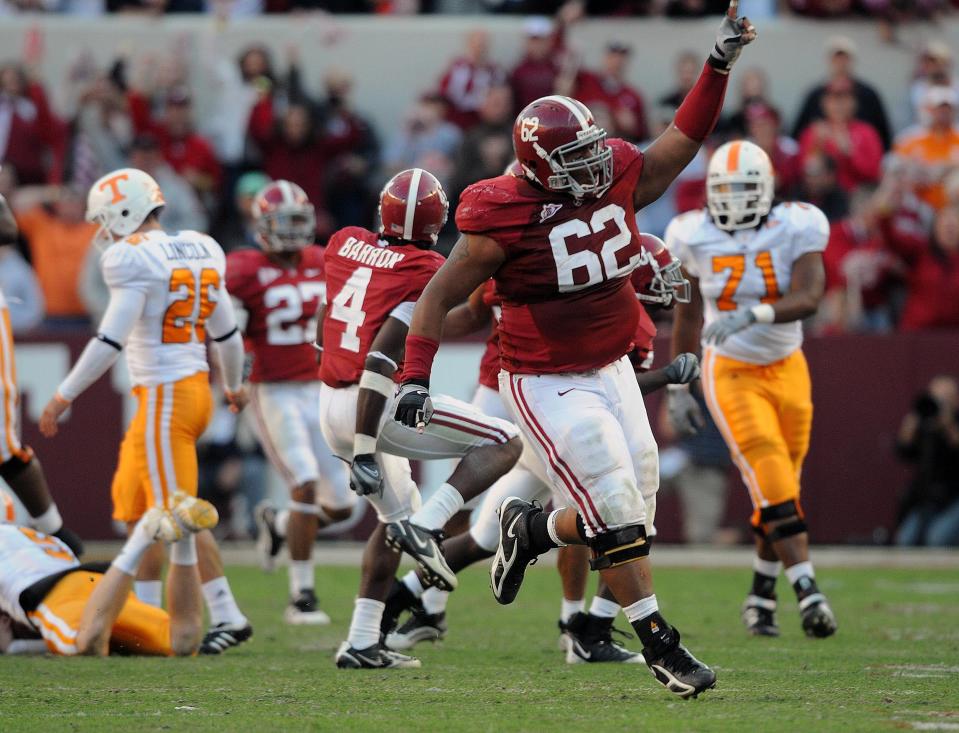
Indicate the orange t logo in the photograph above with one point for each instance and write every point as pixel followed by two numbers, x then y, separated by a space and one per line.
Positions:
pixel 112 183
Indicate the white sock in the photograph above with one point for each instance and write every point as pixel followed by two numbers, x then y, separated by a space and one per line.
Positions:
pixel 281 522
pixel 149 591
pixel 132 553
pixel 183 551
pixel 412 581
pixel 641 609
pixel 221 603
pixel 439 509
pixel 48 522
pixel 551 528
pixel 434 600
pixel 568 608
pixel 769 568
pixel 301 576
pixel 603 608
pixel 800 570
pixel 365 624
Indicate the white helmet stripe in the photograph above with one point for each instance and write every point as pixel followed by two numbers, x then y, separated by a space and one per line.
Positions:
pixel 287 190
pixel 577 108
pixel 411 198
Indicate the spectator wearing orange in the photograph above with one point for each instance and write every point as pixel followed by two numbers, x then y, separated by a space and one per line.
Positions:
pixel 854 145
pixel 51 218
pixel 468 79
pixel 931 152
pixel 609 88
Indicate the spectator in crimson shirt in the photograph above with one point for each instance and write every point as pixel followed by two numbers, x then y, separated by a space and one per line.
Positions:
pixel 32 139
pixel 609 88
pixel 468 79
pixel 188 152
pixel 932 272
pixel 763 127
pixel 854 145
pixel 535 75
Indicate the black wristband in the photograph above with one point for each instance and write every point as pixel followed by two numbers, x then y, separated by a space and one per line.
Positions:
pixel 419 382
pixel 224 337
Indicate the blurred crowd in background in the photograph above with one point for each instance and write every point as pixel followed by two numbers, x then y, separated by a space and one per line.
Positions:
pixel 892 195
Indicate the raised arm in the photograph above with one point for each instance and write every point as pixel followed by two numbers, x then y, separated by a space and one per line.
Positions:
pixel 696 117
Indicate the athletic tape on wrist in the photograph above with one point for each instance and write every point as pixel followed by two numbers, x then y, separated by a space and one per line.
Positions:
pixel 363 444
pixel 377 383
pixel 764 313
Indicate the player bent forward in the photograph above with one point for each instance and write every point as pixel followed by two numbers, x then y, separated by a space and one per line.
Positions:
pixel 373 281
pixel 53 603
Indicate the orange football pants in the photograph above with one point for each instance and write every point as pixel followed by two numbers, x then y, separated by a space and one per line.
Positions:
pixel 139 629
pixel 158 452
pixel 764 412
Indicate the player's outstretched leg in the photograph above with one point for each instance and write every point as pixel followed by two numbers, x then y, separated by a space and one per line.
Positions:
pixel 589 634
pixel 523 537
pixel 229 627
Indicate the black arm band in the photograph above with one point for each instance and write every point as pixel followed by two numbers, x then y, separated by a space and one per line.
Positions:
pixel 109 342
pixel 219 339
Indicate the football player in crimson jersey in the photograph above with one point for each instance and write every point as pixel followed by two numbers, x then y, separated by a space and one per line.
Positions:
pixel 373 281
pixel 281 287
pixel 561 245
pixel 586 637
pixel 758 272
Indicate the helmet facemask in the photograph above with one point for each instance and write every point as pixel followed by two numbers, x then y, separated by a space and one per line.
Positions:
pixel 668 285
pixel 583 167
pixel 288 230
pixel 738 201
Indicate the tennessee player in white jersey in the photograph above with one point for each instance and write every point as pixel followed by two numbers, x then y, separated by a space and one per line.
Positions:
pixel 65 608
pixel 166 292
pixel 757 272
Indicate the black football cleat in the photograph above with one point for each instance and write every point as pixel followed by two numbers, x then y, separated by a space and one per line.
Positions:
pixel 589 639
pixel 818 620
pixel 677 670
pixel 514 553
pixel 423 545
pixel 420 626
pixel 373 657
pixel 759 616
pixel 304 610
pixel 400 599
pixel 268 540
pixel 224 636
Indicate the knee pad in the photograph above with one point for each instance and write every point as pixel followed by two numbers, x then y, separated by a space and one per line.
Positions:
pixel 13 467
pixel 779 511
pixel 788 510
pixel 618 547
pixel 787 529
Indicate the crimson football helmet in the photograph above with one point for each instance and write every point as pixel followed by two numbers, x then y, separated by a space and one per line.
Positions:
pixel 413 206
pixel 284 217
pixel 661 282
pixel 560 147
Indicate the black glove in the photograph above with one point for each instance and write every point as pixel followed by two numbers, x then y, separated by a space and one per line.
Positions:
pixel 683 369
pixel 365 475
pixel 414 409
pixel 733 34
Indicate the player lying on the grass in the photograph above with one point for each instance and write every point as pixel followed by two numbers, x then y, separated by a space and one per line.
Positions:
pixel 585 636
pixel 373 281
pixel 561 245
pixel 19 467
pixel 167 292
pixel 757 272
pixel 280 287
pixel 52 602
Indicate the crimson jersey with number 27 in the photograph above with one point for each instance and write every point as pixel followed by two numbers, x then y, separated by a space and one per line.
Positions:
pixel 367 281
pixel 281 305
pixel 567 301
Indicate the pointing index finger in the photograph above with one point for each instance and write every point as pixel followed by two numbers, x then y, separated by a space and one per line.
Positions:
pixel 733 10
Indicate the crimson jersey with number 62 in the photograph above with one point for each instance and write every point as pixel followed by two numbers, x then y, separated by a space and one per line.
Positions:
pixel 367 281
pixel 281 304
pixel 568 305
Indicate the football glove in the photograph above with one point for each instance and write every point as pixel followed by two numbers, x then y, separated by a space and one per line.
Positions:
pixel 734 33
pixel 683 369
pixel 722 328
pixel 414 408
pixel 685 415
pixel 365 475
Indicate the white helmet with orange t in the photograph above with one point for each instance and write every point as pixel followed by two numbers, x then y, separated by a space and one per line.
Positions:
pixel 120 202
pixel 739 185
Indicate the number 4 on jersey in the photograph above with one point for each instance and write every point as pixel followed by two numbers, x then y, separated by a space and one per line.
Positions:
pixel 348 307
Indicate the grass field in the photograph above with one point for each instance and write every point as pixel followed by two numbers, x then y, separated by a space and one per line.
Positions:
pixel 893 665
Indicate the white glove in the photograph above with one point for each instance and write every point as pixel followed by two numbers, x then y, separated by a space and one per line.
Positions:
pixel 724 327
pixel 683 369
pixel 733 34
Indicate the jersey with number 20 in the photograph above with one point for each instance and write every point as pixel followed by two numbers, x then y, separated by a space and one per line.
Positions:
pixel 568 304
pixel 367 281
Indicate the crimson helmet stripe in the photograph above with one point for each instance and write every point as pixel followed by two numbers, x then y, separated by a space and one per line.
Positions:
pixel 411 200
pixel 579 110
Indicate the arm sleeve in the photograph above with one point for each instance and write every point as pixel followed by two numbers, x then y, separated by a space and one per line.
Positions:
pixel 404 312
pixel 124 310
pixel 227 341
